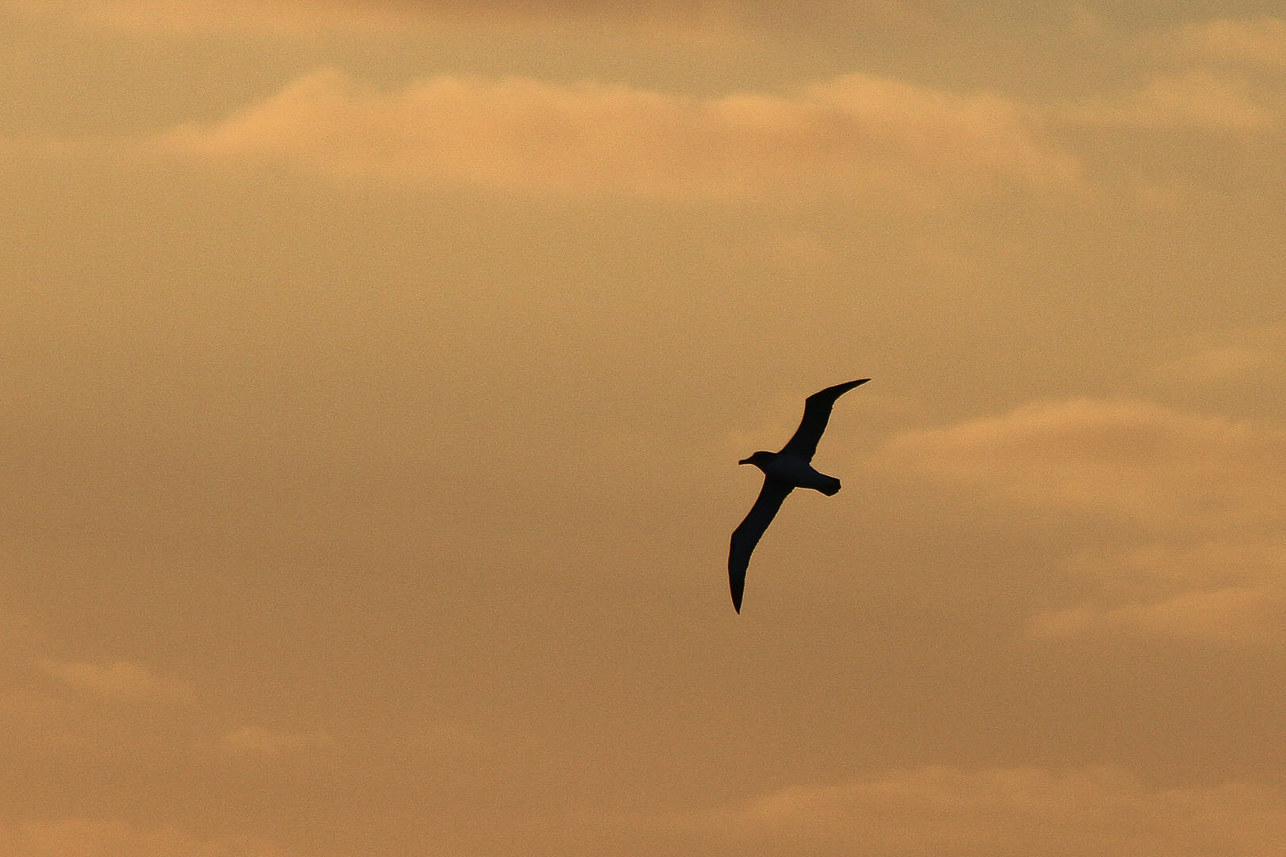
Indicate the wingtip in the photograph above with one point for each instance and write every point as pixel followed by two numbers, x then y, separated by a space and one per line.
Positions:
pixel 837 390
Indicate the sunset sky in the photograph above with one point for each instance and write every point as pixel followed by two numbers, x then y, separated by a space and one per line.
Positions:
pixel 375 374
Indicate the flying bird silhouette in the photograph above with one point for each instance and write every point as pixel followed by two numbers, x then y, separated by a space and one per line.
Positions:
pixel 784 471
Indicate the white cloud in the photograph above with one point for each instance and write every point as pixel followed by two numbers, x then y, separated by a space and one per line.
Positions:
pixel 852 136
pixel 999 812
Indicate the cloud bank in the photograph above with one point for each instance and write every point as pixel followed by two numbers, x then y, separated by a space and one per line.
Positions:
pixel 1166 468
pixel 1258 42
pixel 310 17
pixel 856 135
pixel 1006 812
pixel 120 680
pixel 1193 99
pixel 98 837
pixel 1206 489
pixel 1217 76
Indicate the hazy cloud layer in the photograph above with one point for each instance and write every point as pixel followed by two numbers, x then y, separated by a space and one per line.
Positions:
pixel 1164 467
pixel 999 812
pixel 1199 98
pixel 97 837
pixel 1255 354
pixel 360 511
pixel 308 17
pixel 1220 75
pixel 1235 614
pixel 120 680
pixel 53 705
pixel 1254 42
pixel 1206 487
pixel 854 135
pixel 156 17
pixel 1215 365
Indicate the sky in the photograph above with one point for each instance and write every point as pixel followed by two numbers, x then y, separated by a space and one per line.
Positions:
pixel 376 372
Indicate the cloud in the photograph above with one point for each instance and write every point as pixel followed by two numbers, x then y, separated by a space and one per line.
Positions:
pixel 310 17
pixel 1207 490
pixel 1237 614
pixel 1217 76
pixel 273 742
pixel 1213 591
pixel 854 135
pixel 1198 98
pixel 1004 812
pixel 1147 462
pixel 51 705
pixel 1230 357
pixel 296 18
pixel 96 837
pixel 1215 365
pixel 119 680
pixel 1251 42
pixel 1214 564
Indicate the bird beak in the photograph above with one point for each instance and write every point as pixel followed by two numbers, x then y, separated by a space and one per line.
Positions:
pixel 744 461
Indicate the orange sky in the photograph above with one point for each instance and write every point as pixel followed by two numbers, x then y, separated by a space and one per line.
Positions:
pixel 376 373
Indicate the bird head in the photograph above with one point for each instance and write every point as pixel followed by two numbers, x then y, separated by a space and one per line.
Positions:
pixel 760 459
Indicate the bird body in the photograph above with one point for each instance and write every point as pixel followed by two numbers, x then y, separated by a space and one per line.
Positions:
pixel 794 471
pixel 784 471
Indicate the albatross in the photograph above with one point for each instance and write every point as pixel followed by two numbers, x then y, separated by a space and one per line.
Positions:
pixel 784 471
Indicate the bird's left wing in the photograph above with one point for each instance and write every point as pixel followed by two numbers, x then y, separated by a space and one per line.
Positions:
pixel 817 412
pixel 747 534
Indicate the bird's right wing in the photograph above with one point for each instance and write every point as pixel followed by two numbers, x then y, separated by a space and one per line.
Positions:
pixel 747 534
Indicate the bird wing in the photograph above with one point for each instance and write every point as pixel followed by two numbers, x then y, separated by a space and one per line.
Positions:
pixel 747 534
pixel 817 412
